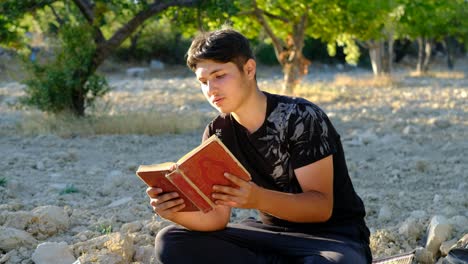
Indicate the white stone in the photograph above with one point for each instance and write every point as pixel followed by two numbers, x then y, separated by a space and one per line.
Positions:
pixel 418 214
pixel 19 220
pixel 144 254
pixel 411 228
pixel 157 65
pixel 446 246
pixel 460 222
pixel 11 238
pixel 422 255
pixel 385 213
pixel 439 231
pixel 53 253
pixel 120 202
pixel 437 199
pixel 40 165
pixel 131 227
pixel 49 220
pixel 136 71
pixel 115 244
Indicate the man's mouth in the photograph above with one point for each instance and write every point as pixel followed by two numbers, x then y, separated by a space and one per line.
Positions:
pixel 217 100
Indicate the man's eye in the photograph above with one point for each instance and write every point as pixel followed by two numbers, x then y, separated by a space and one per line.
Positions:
pixel 220 76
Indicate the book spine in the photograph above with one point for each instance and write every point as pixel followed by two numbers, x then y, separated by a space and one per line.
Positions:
pixel 190 190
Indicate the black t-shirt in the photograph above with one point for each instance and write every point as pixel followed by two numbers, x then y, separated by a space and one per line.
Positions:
pixel 295 133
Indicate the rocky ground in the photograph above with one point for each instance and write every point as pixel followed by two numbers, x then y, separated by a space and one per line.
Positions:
pixel 78 197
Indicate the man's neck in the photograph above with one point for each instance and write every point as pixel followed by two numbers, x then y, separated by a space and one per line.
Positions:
pixel 253 113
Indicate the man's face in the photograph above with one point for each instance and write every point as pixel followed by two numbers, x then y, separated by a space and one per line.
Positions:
pixel 223 85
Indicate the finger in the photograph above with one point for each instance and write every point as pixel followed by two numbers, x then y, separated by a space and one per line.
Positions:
pixel 159 207
pixel 236 180
pixel 166 197
pixel 153 192
pixel 226 203
pixel 226 189
pixel 225 198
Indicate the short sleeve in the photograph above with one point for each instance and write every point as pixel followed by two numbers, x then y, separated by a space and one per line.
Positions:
pixel 312 136
pixel 206 133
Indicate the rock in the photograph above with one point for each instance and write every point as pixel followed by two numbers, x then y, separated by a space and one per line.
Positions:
pixel 19 220
pixel 439 231
pixel 48 221
pixel 115 244
pixel 441 123
pixel 39 165
pixel 120 202
pixel 157 65
pixel 11 238
pixel 463 242
pixel 131 227
pixel 108 258
pixel 459 221
pixel 136 71
pixel 144 254
pixel 422 255
pixel 437 199
pixel 385 213
pixel 418 214
pixel 411 228
pixel 446 246
pixel 53 253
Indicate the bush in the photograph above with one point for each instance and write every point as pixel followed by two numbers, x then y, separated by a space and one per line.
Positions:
pixel 67 83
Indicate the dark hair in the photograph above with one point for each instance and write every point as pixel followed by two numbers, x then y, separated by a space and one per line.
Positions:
pixel 224 45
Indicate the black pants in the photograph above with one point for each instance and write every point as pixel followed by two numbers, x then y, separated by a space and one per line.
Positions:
pixel 250 242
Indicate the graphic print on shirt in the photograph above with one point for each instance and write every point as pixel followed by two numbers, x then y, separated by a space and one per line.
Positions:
pixel 308 125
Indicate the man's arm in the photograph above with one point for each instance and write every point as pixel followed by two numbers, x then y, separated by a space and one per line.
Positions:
pixel 168 206
pixel 315 204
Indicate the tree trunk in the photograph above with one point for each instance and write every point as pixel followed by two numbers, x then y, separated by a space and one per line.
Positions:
pixel 391 41
pixel 375 54
pixel 427 55
pixel 292 75
pixel 448 50
pixel 419 65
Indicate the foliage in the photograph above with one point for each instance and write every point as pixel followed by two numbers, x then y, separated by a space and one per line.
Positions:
pixel 70 188
pixel 54 85
pixel 434 19
pixel 3 181
pixel 168 44
pixel 104 229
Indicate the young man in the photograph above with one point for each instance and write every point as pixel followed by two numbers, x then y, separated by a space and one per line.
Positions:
pixel 300 184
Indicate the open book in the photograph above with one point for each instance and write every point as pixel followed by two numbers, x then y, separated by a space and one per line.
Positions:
pixel 195 174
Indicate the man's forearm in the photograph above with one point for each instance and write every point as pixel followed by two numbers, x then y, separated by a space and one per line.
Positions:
pixel 304 207
pixel 216 219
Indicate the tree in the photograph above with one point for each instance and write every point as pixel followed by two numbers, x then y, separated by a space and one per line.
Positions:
pixel 95 16
pixel 286 23
pixel 372 24
pixel 427 21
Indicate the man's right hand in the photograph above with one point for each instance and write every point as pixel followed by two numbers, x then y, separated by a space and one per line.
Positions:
pixel 165 205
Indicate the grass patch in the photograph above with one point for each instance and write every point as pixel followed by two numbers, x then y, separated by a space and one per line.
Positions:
pixel 439 75
pixel 147 123
pixel 3 181
pixel 104 229
pixel 372 81
pixel 69 189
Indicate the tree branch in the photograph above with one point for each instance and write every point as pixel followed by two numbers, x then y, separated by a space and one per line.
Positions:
pixel 261 19
pixel 86 9
pixel 57 17
pixel 270 15
pixel 106 48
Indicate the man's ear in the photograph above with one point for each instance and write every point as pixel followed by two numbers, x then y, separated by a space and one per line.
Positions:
pixel 250 68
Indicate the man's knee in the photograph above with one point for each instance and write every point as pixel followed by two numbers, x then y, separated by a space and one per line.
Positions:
pixel 168 242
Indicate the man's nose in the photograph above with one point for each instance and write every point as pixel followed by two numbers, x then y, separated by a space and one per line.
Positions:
pixel 211 87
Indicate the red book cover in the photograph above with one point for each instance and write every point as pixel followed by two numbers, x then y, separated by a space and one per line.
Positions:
pixel 196 173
